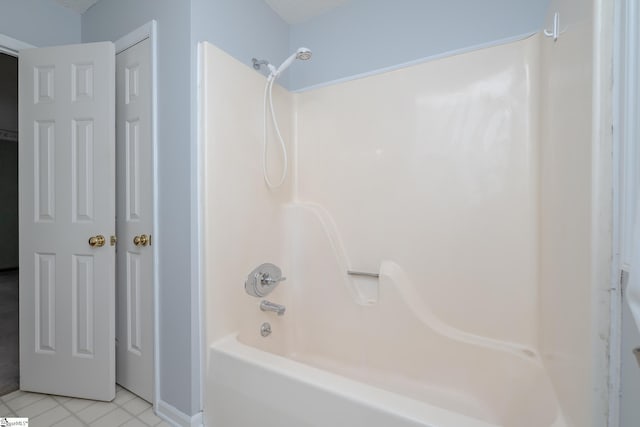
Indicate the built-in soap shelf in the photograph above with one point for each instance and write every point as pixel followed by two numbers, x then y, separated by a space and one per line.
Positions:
pixel 366 286
pixel 362 286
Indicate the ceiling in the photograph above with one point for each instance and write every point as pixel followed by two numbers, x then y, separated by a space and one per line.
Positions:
pixel 79 6
pixel 297 11
pixel 292 11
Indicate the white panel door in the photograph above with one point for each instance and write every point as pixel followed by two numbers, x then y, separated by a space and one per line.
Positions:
pixel 134 182
pixel 67 196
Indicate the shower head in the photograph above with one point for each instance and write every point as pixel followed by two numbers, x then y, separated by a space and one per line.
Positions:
pixel 302 54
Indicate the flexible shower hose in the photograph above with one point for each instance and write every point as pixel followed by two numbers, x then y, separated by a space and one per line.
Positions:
pixel 268 93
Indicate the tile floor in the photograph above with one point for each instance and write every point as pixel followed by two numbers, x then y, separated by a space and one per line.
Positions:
pixel 44 410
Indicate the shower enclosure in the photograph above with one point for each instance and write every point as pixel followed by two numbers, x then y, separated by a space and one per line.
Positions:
pixel 466 189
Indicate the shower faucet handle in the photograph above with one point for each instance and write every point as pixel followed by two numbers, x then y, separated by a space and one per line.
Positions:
pixel 265 278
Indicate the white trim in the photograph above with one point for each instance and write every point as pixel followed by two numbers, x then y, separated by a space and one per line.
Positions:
pixel 615 308
pixel 627 84
pixel 417 61
pixel 626 92
pixel 141 33
pixel 149 30
pixel 11 46
pixel 602 250
pixel 153 38
pixel 198 336
pixel 175 417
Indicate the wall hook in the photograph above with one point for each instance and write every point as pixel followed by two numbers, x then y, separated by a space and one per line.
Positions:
pixel 555 32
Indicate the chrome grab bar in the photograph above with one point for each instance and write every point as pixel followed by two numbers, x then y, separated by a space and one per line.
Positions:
pixel 362 273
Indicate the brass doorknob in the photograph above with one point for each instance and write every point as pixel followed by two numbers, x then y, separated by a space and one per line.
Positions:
pixel 97 241
pixel 141 240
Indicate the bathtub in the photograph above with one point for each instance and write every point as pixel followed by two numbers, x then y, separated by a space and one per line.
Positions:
pixel 364 352
pixel 250 387
pixel 392 366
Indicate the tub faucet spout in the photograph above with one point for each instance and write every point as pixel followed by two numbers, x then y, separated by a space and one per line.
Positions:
pixel 271 306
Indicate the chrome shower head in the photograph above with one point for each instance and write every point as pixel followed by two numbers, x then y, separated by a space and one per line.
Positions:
pixel 303 54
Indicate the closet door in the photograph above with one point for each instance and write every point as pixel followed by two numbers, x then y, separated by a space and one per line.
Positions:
pixel 134 288
pixel 67 218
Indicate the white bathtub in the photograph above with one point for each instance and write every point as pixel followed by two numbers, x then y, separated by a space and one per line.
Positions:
pixel 403 372
pixel 249 387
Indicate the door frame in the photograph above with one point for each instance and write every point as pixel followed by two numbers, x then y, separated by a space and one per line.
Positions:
pixel 626 106
pixel 12 47
pixel 149 31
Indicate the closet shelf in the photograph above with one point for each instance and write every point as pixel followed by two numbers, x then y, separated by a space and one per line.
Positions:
pixel 8 135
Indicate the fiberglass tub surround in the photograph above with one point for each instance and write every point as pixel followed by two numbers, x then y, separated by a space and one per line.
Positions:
pixel 426 176
pixel 386 336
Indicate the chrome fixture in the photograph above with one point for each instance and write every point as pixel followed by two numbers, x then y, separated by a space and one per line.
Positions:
pixel 362 273
pixel 302 54
pixel 258 62
pixel 265 329
pixel 263 280
pixel 272 306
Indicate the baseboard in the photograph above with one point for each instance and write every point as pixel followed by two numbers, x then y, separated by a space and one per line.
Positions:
pixel 177 418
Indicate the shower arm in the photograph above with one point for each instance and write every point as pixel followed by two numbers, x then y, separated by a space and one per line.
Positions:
pixel 259 62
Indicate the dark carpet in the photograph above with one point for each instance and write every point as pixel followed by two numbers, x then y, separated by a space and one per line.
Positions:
pixel 9 338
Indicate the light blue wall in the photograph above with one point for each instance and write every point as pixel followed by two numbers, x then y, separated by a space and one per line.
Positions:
pixel 360 36
pixel 366 35
pixel 39 22
pixel 110 20
pixel 245 29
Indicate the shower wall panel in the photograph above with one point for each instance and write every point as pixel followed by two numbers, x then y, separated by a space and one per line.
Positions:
pixel 435 167
pixel 243 227
pixel 572 344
